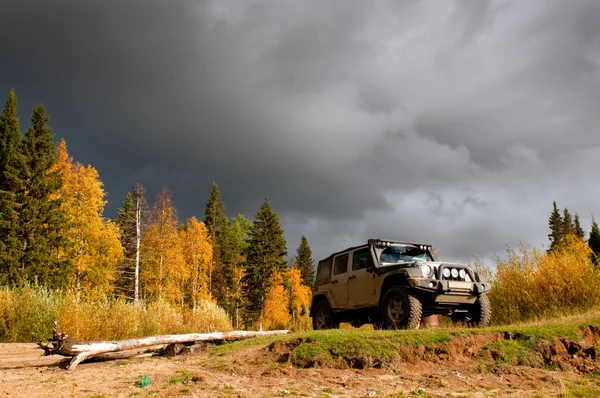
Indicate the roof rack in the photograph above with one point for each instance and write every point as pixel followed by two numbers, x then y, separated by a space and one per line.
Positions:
pixel 374 241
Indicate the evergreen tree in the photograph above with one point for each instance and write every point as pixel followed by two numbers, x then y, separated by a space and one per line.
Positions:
pixel 214 215
pixel 305 262
pixel 264 256
pixel 126 220
pixel 42 219
pixel 215 220
pixel 233 247
pixel 568 227
pixel 11 169
pixel 577 230
pixel 556 227
pixel 594 242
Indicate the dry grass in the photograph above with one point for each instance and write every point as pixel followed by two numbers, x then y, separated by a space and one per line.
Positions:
pixel 27 315
pixel 532 285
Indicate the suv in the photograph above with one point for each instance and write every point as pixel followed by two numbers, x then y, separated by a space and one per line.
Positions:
pixel 393 284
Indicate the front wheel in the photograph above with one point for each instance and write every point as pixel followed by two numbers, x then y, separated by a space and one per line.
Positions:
pixel 323 317
pixel 401 309
pixel 482 312
pixel 479 315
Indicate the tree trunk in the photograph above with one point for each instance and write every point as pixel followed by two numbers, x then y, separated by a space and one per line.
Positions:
pixel 62 344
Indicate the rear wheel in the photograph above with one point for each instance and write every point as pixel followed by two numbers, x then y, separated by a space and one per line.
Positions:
pixel 401 309
pixel 323 317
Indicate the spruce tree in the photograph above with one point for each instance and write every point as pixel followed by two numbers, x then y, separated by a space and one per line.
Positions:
pixel 214 215
pixel 567 227
pixel 126 220
pixel 11 169
pixel 594 242
pixel 42 219
pixel 556 227
pixel 264 256
pixel 215 221
pixel 305 262
pixel 577 230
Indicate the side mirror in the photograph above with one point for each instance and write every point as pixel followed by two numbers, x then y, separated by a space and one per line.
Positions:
pixel 370 268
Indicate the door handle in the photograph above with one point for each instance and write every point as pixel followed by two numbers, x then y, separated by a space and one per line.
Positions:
pixel 334 281
pixel 352 277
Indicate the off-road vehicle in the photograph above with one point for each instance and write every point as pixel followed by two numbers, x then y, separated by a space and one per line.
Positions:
pixel 393 285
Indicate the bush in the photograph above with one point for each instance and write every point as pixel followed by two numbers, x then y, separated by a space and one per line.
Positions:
pixel 27 315
pixel 532 284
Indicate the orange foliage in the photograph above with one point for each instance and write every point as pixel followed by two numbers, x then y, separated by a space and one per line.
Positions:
pixel 164 272
pixel 300 299
pixel 276 315
pixel 198 252
pixel 95 248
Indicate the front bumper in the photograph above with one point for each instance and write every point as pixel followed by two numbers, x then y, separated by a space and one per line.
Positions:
pixel 442 287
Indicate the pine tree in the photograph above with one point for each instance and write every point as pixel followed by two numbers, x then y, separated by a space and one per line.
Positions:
pixel 11 169
pixel 577 230
pixel 594 242
pixel 214 215
pixel 556 227
pixel 567 227
pixel 42 218
pixel 305 262
pixel 233 247
pixel 215 220
pixel 126 220
pixel 264 256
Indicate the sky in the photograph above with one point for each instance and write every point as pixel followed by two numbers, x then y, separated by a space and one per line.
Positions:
pixel 455 123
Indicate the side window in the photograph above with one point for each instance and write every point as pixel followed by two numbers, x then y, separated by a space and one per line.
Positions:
pixel 361 259
pixel 340 264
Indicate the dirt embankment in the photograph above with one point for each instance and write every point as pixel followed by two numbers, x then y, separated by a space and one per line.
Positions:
pixel 479 365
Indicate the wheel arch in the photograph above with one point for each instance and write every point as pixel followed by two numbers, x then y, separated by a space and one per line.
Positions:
pixel 396 279
pixel 319 297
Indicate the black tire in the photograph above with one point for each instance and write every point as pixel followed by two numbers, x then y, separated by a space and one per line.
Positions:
pixel 479 315
pixel 401 309
pixel 323 318
pixel 482 312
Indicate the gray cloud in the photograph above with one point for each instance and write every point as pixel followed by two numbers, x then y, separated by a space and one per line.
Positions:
pixel 453 122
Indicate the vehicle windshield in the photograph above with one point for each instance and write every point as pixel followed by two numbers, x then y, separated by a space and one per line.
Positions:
pixel 401 254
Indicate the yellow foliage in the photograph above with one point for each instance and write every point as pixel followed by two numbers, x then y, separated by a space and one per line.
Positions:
pixel 532 284
pixel 198 254
pixel 95 248
pixel 300 299
pixel 275 315
pixel 164 273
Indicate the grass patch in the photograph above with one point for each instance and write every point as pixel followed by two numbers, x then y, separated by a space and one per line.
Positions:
pixel 374 348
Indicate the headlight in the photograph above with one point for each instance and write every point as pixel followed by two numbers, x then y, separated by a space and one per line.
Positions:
pixel 446 272
pixel 426 269
pixel 462 273
pixel 454 272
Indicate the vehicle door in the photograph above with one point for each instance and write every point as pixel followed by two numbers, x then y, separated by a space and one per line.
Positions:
pixel 339 280
pixel 361 284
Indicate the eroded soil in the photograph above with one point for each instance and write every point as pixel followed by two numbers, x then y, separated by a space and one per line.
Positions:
pixel 466 367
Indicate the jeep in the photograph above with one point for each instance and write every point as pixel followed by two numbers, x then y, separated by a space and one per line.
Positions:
pixel 393 285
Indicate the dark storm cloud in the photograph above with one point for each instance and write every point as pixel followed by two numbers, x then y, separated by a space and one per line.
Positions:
pixel 454 122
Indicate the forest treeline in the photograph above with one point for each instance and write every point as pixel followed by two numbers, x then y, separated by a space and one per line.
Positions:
pixel 54 235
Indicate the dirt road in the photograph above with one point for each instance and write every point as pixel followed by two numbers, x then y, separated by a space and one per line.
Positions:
pixel 252 373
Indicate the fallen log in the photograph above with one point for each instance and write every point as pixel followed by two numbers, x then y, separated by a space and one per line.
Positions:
pixel 62 344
